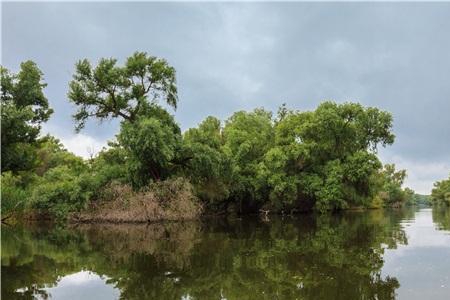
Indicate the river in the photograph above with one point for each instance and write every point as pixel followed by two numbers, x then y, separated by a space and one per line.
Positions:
pixel 376 254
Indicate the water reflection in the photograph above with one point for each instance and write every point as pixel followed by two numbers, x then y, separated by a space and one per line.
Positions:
pixel 441 217
pixel 306 257
pixel 84 285
pixel 423 266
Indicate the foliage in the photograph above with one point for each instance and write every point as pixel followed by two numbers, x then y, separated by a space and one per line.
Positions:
pixel 151 144
pixel 108 90
pixel 327 155
pixel 208 169
pixel 24 108
pixel 415 199
pixel 51 153
pixel 391 186
pixel 247 137
pixel 58 184
pixel 110 165
pixel 13 195
pixel 441 217
pixel 61 191
pixel 441 192
pixel 324 159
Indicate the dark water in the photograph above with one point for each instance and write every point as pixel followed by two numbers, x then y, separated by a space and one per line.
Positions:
pixel 402 254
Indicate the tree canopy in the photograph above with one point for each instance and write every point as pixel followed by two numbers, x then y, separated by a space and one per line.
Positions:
pixel 441 192
pixel 323 159
pixel 108 90
pixel 24 108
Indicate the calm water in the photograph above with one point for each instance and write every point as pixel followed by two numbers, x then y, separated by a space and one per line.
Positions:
pixel 401 254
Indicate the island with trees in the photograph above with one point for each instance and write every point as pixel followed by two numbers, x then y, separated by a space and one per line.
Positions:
pixel 254 161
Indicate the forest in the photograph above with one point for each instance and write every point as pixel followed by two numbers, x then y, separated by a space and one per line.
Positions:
pixel 255 161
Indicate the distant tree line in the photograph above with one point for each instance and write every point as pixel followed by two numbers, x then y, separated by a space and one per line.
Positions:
pixel 323 160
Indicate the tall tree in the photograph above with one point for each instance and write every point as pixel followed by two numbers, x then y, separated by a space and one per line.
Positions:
pixel 108 90
pixel 247 137
pixel 24 108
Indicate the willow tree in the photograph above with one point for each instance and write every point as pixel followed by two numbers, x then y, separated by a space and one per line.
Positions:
pixel 149 135
pixel 209 169
pixel 108 90
pixel 327 155
pixel 24 108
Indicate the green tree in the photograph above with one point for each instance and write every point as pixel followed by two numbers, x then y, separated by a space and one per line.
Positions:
pixel 61 182
pixel 24 108
pixel 108 90
pixel 327 157
pixel 247 138
pixel 110 165
pixel 152 144
pixel 13 195
pixel 441 192
pixel 60 191
pixel 208 169
pixel 391 185
pixel 414 199
pixel 58 184
pixel 51 153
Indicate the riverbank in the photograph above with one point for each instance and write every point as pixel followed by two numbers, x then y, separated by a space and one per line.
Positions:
pixel 166 200
pixel 145 209
pixel 134 215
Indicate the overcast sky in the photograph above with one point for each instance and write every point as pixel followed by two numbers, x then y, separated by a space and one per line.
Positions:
pixel 234 56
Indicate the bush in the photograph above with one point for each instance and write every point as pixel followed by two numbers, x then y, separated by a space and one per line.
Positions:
pixel 109 166
pixel 13 195
pixel 60 192
pixel 171 199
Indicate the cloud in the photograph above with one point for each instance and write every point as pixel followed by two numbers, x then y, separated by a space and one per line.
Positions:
pixel 83 285
pixel 83 145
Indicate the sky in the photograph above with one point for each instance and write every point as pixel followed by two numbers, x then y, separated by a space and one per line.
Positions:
pixel 240 56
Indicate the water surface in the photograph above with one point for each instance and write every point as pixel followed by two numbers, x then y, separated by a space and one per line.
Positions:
pixel 395 254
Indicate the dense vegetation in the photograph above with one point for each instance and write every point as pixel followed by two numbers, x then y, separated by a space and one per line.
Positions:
pixel 324 159
pixel 441 192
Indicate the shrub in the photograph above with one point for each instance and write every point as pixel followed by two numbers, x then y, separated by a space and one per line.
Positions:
pixel 13 195
pixel 60 192
pixel 171 199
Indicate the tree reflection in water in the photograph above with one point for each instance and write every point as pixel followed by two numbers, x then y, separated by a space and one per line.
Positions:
pixel 304 257
pixel 441 217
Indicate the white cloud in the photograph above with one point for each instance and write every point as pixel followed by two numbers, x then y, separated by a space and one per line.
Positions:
pixel 80 144
pixel 79 278
pixel 83 145
pixel 83 285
